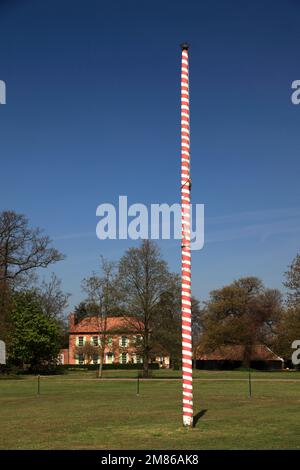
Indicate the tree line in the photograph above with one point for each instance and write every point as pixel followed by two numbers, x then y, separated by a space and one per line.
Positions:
pixel 141 289
pixel 31 321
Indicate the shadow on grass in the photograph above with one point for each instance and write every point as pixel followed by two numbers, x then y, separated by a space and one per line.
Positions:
pixel 198 416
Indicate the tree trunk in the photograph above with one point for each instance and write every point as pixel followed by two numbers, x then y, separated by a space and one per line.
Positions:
pixel 247 363
pixel 101 362
pixel 146 355
pixel 100 367
pixel 145 366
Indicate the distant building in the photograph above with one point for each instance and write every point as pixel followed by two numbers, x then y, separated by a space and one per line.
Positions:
pixel 232 357
pixel 121 345
pixel 122 338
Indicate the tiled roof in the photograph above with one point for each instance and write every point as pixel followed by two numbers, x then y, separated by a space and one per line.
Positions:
pixel 259 352
pixel 94 324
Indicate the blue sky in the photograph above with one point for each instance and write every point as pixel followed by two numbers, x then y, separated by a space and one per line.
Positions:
pixel 93 111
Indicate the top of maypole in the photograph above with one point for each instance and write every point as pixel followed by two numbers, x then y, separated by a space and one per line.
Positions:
pixel 184 46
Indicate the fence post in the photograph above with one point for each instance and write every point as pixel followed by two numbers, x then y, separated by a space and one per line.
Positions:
pixel 249 382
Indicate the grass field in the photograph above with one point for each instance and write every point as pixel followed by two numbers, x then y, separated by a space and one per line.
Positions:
pixel 77 411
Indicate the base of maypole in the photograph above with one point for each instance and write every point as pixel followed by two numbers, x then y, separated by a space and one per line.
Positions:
pixel 188 421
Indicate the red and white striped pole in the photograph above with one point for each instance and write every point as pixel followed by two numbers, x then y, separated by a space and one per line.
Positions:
pixel 187 368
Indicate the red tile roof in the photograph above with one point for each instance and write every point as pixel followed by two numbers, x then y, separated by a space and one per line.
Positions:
pixel 94 324
pixel 259 352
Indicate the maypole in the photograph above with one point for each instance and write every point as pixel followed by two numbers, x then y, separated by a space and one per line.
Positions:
pixel 187 369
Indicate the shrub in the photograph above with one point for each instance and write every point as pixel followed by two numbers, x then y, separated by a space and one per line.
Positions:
pixel 107 366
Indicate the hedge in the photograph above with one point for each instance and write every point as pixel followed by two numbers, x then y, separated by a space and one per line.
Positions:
pixel 107 366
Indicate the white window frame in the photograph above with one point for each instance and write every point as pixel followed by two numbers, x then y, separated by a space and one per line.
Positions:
pixel 111 355
pixel 121 341
pixel 122 356
pixel 137 358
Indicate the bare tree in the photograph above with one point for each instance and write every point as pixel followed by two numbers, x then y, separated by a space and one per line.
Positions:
pixel 102 296
pixel 22 249
pixel 166 329
pixel 53 300
pixel 166 323
pixel 143 278
pixel 292 282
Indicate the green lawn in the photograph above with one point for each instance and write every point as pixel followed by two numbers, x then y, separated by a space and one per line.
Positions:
pixel 198 374
pixel 76 412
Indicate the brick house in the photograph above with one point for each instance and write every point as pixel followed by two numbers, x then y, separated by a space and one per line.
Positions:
pixel 122 337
